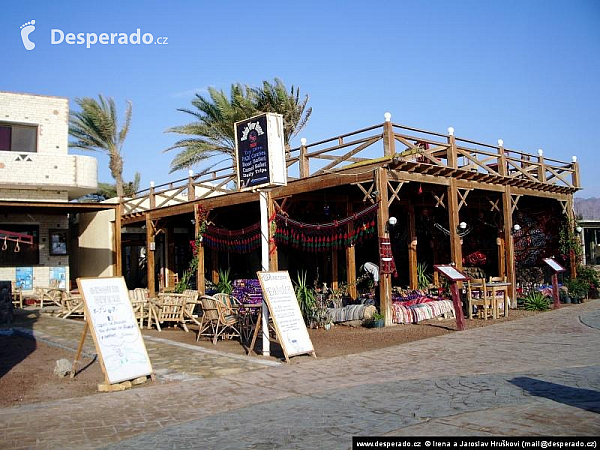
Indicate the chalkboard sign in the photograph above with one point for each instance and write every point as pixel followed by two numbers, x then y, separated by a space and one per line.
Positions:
pixel 260 152
pixel 115 331
pixel 291 331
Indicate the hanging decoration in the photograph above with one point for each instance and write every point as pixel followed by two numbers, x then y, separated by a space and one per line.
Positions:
pixel 244 240
pixel 326 236
pixel 386 258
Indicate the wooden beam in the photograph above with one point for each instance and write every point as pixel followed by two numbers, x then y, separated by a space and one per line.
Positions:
pixel 150 256
pixel 273 257
pixel 389 143
pixel 453 221
pixel 200 281
pixel 385 279
pixel 412 248
pixel 117 253
pixel 351 259
pixel 507 211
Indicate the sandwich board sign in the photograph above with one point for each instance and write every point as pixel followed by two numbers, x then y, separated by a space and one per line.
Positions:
pixel 290 328
pixel 260 152
pixel 110 317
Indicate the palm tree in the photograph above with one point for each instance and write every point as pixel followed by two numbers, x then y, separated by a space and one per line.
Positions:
pixel 212 133
pixel 95 128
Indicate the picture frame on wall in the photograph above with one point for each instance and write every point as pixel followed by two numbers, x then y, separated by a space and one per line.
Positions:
pixel 58 242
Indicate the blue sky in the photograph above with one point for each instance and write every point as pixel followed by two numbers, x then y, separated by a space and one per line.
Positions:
pixel 524 71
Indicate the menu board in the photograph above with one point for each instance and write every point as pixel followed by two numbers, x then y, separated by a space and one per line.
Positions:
pixel 260 151
pixel 115 331
pixel 291 331
pixel 451 272
pixel 554 265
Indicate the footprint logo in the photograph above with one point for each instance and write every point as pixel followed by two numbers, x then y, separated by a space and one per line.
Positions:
pixel 26 30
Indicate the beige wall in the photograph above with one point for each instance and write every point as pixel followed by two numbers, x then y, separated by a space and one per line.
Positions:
pixel 50 168
pixel 96 237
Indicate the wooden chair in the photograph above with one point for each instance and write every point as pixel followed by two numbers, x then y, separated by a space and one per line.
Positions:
pixel 72 305
pixel 477 298
pixel 222 320
pixel 17 297
pixel 168 308
pixel 139 301
pixel 193 308
pixel 500 296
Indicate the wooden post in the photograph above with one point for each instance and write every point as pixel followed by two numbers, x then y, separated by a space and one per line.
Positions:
pixel 170 259
pixel 555 295
pixel 541 167
pixel 575 173
pixel 452 152
pixel 334 269
pixel 214 262
pixel 389 142
pixel 385 279
pixel 200 282
pixel 351 260
pixel 460 317
pixel 273 257
pixel 191 189
pixel 412 248
pixel 501 256
pixel 453 221
pixel 572 222
pixel 117 254
pixel 509 245
pixel 152 196
pixel 303 164
pixel 502 167
pixel 150 246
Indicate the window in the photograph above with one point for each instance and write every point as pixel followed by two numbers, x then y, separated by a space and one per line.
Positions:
pixel 58 242
pixel 13 252
pixel 18 138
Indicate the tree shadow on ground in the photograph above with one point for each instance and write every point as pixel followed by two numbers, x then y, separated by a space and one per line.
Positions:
pixel 13 348
pixel 586 399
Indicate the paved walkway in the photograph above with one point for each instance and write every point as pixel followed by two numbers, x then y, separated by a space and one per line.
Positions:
pixel 535 376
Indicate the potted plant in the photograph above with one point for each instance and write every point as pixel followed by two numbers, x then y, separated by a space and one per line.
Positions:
pixel 377 320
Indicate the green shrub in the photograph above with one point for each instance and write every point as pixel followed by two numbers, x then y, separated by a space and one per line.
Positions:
pixel 224 285
pixel 536 301
pixel 306 298
pixel 423 278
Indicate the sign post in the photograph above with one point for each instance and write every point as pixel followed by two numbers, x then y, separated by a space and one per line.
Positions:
pixel 556 268
pixel 454 275
pixel 260 158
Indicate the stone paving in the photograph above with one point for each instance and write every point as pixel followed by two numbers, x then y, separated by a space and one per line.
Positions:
pixel 535 376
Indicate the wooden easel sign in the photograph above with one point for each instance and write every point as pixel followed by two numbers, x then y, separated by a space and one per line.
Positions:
pixel 556 268
pixel 290 328
pixel 110 317
pixel 454 275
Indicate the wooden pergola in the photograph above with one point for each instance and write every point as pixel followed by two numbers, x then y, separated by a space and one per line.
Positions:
pixel 374 165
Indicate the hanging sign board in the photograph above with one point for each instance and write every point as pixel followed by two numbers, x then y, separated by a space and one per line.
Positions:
pixel 556 267
pixel 454 275
pixel 451 272
pixel 291 331
pixel 111 319
pixel 260 152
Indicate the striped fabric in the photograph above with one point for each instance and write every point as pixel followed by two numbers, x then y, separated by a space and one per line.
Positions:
pixel 414 312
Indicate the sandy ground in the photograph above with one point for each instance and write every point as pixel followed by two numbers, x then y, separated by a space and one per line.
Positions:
pixel 27 366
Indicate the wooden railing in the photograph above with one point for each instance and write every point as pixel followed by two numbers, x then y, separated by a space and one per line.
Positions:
pixel 423 150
